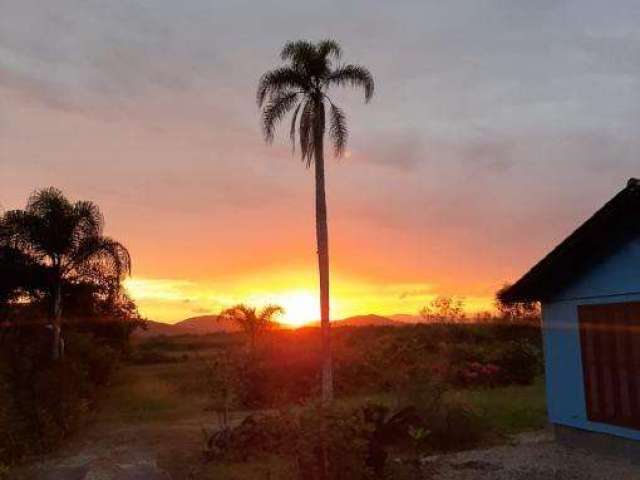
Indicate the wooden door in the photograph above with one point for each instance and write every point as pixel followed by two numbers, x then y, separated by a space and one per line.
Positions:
pixel 610 343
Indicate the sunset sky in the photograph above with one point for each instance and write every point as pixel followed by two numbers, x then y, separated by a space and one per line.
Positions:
pixel 496 128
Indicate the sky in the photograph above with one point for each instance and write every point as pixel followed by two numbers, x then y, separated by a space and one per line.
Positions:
pixel 495 129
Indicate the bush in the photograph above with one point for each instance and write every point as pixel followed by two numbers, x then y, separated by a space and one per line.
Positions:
pixel 520 362
pixel 354 441
pixel 43 402
pixel 447 421
pixel 511 362
pixel 452 424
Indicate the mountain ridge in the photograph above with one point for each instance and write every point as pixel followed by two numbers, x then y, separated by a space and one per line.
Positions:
pixel 205 324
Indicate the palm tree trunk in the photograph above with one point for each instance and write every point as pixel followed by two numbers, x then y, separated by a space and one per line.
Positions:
pixel 322 238
pixel 56 321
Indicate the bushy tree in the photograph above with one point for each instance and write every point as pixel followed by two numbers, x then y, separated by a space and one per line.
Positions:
pixel 65 240
pixel 444 309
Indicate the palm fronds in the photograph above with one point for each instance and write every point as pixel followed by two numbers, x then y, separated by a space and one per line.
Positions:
pixel 353 76
pixel 278 106
pixel 300 86
pixel 338 132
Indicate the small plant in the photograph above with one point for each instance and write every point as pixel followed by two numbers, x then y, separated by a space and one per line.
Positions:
pixel 220 375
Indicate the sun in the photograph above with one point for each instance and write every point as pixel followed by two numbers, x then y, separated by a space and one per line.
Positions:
pixel 301 307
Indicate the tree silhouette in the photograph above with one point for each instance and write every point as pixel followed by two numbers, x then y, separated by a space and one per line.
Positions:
pixel 67 240
pixel 300 86
pixel 251 321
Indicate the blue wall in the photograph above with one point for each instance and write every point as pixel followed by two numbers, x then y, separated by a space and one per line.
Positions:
pixel 615 280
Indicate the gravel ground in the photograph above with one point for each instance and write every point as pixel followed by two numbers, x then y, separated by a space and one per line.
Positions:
pixel 133 454
pixel 533 456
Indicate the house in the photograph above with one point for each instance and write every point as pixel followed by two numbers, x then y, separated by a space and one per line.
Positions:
pixel 589 289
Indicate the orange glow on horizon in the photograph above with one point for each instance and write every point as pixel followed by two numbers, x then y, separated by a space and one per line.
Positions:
pixel 173 300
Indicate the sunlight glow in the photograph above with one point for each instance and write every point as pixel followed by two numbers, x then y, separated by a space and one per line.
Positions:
pixel 301 307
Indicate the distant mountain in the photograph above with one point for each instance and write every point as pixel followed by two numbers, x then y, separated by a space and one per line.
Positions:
pixel 204 324
pixel 360 321
pixel 365 320
pixel 156 328
pixel 195 326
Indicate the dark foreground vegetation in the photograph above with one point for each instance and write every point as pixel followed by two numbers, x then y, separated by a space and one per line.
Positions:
pixel 401 391
pixel 64 320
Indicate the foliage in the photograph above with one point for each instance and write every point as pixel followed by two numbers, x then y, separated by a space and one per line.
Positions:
pixel 525 312
pixel 448 420
pixel 52 244
pixel 221 381
pixel 368 360
pixel 45 402
pixel 444 309
pixel 301 87
pixel 511 362
pixel 66 236
pixel 355 440
pixel 251 321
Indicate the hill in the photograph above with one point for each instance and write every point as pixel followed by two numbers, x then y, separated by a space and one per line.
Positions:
pixel 361 321
pixel 156 328
pixel 204 324
pixel 366 320
pixel 200 325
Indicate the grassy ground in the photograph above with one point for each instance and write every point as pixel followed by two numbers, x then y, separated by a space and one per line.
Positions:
pixel 511 410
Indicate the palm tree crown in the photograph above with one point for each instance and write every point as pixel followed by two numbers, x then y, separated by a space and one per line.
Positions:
pixel 66 237
pixel 251 321
pixel 301 86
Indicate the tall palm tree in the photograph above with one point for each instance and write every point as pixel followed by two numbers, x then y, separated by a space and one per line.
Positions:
pixel 251 321
pixel 67 239
pixel 301 86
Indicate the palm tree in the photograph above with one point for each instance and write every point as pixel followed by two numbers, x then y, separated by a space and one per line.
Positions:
pixel 67 239
pixel 251 321
pixel 300 86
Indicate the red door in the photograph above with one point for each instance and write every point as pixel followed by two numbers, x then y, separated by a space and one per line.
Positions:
pixel 610 342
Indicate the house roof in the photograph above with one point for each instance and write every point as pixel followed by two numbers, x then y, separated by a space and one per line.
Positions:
pixel 617 222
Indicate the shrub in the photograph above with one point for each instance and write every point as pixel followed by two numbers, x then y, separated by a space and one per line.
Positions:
pixel 446 421
pixel 496 364
pixel 100 360
pixel 43 402
pixel 452 424
pixel 354 441
pixel 520 362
